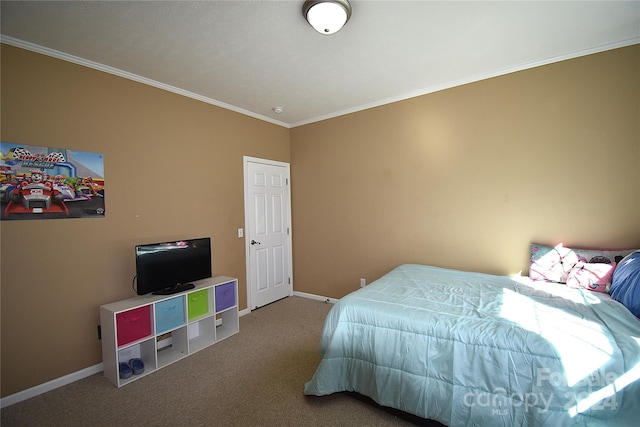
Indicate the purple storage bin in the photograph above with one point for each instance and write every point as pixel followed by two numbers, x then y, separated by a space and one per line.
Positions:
pixel 225 296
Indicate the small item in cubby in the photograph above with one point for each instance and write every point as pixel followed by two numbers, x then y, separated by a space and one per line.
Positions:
pixel 137 366
pixel 164 341
pixel 125 370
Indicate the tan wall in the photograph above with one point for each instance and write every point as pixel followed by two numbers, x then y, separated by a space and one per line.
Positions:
pixel 463 178
pixel 468 177
pixel 173 169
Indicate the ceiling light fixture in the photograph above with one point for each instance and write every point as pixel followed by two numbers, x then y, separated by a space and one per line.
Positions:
pixel 326 16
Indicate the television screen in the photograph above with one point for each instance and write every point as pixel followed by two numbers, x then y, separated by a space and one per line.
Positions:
pixel 170 267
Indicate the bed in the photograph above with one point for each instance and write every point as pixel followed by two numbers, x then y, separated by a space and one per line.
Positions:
pixel 465 348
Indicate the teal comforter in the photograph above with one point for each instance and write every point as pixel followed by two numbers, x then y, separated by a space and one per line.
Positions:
pixel 468 349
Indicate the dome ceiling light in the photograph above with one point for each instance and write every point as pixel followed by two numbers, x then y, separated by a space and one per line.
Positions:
pixel 326 16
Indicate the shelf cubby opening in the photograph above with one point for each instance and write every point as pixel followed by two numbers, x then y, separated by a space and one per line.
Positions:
pixel 202 334
pixel 176 350
pixel 227 324
pixel 145 350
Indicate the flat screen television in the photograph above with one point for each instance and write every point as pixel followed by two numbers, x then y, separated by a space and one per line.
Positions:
pixel 170 267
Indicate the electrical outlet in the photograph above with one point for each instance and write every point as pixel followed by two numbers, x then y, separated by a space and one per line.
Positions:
pixel 363 282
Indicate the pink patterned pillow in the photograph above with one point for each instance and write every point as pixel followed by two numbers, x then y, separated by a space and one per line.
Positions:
pixel 551 263
pixel 594 277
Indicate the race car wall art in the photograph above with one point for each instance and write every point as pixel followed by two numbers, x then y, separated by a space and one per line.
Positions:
pixel 49 183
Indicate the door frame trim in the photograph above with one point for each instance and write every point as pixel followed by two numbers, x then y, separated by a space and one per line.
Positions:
pixel 245 170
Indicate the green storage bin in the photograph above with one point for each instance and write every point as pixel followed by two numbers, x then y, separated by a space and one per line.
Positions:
pixel 198 303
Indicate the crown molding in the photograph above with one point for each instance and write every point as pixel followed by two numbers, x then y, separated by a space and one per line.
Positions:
pixel 130 76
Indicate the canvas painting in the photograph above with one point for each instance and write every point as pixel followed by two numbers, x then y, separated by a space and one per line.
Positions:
pixel 50 183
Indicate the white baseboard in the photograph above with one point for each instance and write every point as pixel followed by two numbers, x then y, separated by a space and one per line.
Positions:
pixel 48 386
pixel 315 297
pixel 75 376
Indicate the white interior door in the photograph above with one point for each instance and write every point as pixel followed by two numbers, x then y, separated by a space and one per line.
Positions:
pixel 268 231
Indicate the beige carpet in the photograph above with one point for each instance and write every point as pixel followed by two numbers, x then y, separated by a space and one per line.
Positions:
pixel 254 378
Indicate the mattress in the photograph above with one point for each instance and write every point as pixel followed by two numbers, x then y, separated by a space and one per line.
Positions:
pixel 466 348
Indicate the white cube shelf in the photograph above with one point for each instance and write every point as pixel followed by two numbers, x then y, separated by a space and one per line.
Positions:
pixel 162 329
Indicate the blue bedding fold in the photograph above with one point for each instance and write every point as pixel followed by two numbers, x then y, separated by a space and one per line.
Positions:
pixel 468 348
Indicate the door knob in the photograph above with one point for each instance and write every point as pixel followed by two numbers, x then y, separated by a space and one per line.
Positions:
pixel 253 242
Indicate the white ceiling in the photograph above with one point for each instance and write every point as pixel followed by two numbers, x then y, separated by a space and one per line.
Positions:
pixel 250 56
